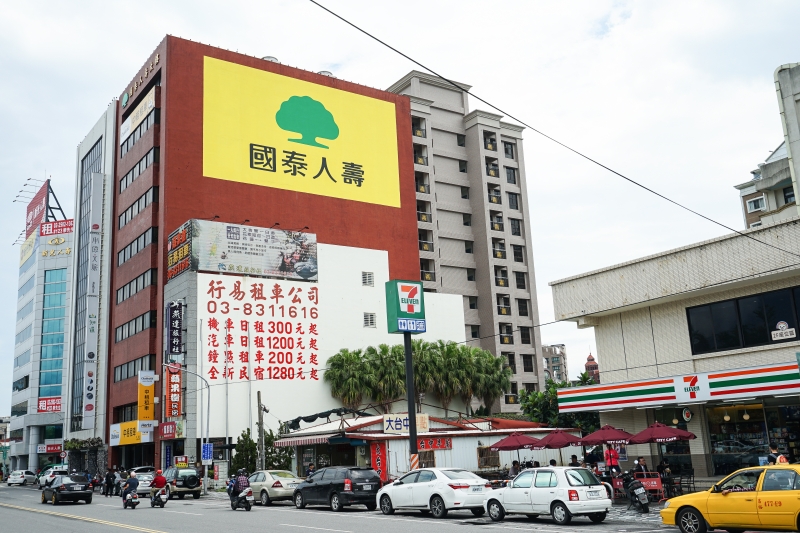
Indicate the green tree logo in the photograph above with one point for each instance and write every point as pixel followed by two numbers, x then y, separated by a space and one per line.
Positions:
pixel 309 118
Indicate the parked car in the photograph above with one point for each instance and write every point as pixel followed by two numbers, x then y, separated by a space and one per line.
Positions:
pixel 435 491
pixel 181 481
pixel 49 475
pixel 142 470
pixel 339 487
pixel 273 485
pixel 144 484
pixel 21 477
pixel 560 491
pixel 67 489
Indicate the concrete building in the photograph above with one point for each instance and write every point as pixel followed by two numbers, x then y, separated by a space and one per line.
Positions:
pixel 473 221
pixel 592 368
pixel 555 362
pixel 769 196
pixel 44 298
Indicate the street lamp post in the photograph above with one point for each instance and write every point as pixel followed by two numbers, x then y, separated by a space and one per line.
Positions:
pixel 208 415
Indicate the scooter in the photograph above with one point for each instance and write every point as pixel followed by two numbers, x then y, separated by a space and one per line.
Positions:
pixel 131 500
pixel 636 492
pixel 160 498
pixel 245 499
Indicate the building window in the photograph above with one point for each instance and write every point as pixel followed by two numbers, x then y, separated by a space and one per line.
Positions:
pixel 519 256
pixel 468 247
pixel 21 384
pixel 23 335
pixel 513 200
pixel 488 458
pixel 23 359
pixel 138 284
pixel 466 217
pixel 475 332
pixel 19 409
pixel 138 206
pixel 55 431
pixel 522 307
pixel 137 325
pixel 520 277
pixel 529 387
pixel 755 320
pixel 462 166
pixel 508 150
pixel 555 360
pixel 53 331
pixel 788 195
pixel 756 204
pixel 16 434
pixel 138 169
pixel 512 361
pixel 461 140
pixel 369 320
pixel 514 388
pixel 126 413
pixel 25 311
pixel 465 193
pixel 525 335
pixel 473 302
pixel 527 363
pixel 367 279
pixel 516 226
pixel 139 243
pixel 511 175
pixel 140 130
pixel 755 224
pixel 131 368
pixel 427 459
pixel 26 287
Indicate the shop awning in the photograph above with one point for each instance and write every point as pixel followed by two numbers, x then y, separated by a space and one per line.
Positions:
pixel 305 440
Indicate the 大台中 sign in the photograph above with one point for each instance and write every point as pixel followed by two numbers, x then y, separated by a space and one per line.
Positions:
pixel 398 423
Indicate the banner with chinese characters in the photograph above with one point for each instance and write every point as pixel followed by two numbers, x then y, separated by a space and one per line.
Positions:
pixel 127 433
pixel 380 459
pixel 437 443
pixel 147 380
pixel 174 326
pixel 174 391
pixel 49 405
pixel 57 227
pixel 36 212
pixel 398 423
pixel 270 130
pixel 258 329
pixel 179 250
pixel 92 302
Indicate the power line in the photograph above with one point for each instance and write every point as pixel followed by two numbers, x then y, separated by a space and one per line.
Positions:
pixel 546 136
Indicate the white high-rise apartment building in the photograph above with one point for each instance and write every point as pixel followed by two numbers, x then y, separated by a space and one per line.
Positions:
pixel 474 224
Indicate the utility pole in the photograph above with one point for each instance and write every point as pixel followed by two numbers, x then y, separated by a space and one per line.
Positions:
pixel 260 463
pixel 412 403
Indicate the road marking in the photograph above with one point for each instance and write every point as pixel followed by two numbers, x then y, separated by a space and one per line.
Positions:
pixel 106 505
pixel 317 528
pixel 181 512
pixel 84 518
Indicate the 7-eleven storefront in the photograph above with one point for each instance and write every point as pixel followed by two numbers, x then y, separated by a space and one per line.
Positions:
pixel 734 413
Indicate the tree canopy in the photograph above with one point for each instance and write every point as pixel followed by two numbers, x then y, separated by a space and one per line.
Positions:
pixel 542 406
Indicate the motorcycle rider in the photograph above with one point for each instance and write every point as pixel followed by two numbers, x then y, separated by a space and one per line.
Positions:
pixel 158 483
pixel 131 484
pixel 108 487
pixel 240 484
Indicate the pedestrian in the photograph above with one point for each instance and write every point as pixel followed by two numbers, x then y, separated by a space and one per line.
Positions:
pixel 574 461
pixel 108 487
pixel 553 462
pixel 310 470
pixel 514 470
pixel 775 456
pixel 536 464
pixel 612 459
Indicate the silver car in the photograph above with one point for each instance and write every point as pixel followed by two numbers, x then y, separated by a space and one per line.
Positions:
pixel 144 484
pixel 273 485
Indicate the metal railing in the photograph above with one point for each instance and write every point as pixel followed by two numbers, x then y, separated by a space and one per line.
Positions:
pixel 426 246
pixel 506 338
pixel 498 226
pixel 421 187
pixel 493 171
pixel 490 145
pixel 498 253
pixel 503 310
pixel 422 216
pixel 419 132
pixel 501 281
pixel 427 275
pixel 421 159
pixel 495 198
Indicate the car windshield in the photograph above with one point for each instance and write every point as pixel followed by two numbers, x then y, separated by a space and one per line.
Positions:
pixel 145 477
pixel 282 473
pixel 187 472
pixel 363 474
pixel 581 477
pixel 77 479
pixel 16 473
pixel 460 474
pixel 59 473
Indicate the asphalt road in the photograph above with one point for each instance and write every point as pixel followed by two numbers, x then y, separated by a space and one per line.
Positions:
pixel 21 509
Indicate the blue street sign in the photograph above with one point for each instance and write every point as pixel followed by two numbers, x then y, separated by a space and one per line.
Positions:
pixel 208 452
pixel 408 324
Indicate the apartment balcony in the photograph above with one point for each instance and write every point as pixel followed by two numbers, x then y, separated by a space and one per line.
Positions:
pixel 424 217
pixel 506 338
pixel 426 246
pixel 419 132
pixel 425 189
pixel 501 281
pixel 493 171
pixel 497 253
pixel 421 159
pixel 498 226
pixel 495 199
pixel 427 275
pixel 504 310
pixel 490 144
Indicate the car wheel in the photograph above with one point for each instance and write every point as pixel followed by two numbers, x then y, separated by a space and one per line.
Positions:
pixel 336 505
pixel 691 521
pixel 181 495
pixel 54 499
pixel 44 500
pixel 196 495
pixel 89 500
pixel 496 511
pixel 371 506
pixel 478 511
pixel 386 505
pixel 24 482
pixel 265 498
pixel 561 514
pixel 299 501
pixel 597 517
pixel 438 508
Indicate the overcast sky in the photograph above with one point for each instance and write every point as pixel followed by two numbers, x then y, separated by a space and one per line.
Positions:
pixel 678 95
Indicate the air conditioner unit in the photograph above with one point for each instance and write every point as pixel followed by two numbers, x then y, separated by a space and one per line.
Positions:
pixel 362 450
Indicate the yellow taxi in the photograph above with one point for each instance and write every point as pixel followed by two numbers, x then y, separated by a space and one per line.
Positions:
pixel 766 498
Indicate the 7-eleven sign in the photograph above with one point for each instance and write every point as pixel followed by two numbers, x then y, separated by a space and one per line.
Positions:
pixel 405 306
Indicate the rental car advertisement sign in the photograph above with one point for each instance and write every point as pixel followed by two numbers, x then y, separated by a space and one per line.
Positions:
pixel 275 131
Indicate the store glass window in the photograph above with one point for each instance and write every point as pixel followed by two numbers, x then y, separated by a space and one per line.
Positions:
pixel 738 436
pixel 677 453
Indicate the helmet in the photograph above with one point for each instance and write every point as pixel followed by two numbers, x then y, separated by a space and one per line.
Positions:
pixel 158 471
pixel 241 471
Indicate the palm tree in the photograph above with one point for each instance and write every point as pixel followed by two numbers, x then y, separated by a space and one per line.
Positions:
pixel 495 378
pixel 425 374
pixel 349 377
pixel 387 371
pixel 467 356
pixel 585 379
pixel 451 376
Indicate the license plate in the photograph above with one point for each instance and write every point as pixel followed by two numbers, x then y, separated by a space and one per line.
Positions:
pixel 250 498
pixel 477 489
pixel 367 487
pixel 594 494
pixel 639 491
pixel 75 487
pixel 180 482
pixel 292 485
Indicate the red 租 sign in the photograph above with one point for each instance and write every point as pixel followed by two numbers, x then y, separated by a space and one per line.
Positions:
pixel 57 227
pixel 49 405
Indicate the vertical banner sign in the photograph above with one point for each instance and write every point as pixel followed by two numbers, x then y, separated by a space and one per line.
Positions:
pixel 405 307
pixel 147 380
pixel 167 456
pixel 208 453
pixel 174 409
pixel 174 330
pixel 92 302
pixel 216 472
pixel 379 459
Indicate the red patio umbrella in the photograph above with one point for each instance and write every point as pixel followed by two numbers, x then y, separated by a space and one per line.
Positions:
pixel 606 435
pixel 557 439
pixel 659 432
pixel 515 441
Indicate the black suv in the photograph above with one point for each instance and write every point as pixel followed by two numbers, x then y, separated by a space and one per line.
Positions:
pixel 339 486
pixel 183 480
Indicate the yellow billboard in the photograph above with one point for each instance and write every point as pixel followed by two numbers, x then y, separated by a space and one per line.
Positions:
pixel 275 131
pixel 127 433
pixel 26 250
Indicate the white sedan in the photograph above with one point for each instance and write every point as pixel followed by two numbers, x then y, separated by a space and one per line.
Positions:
pixel 562 492
pixel 21 477
pixel 435 491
